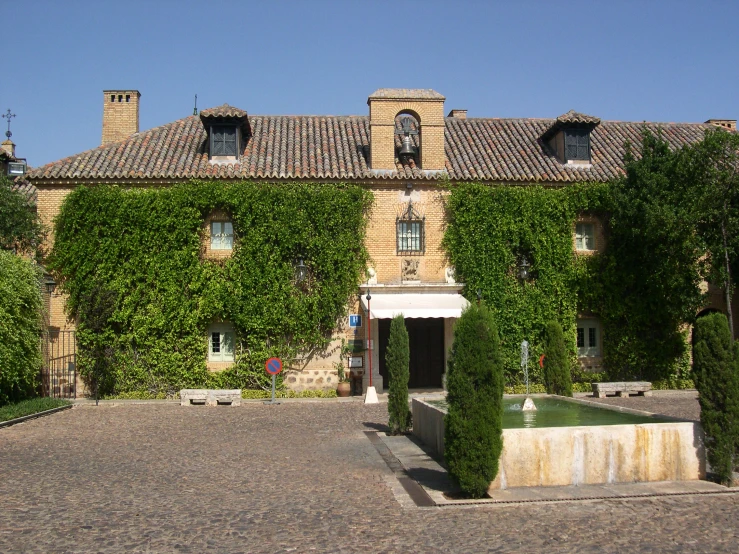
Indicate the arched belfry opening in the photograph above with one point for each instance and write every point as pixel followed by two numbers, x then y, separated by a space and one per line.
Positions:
pixel 408 139
pixel 422 110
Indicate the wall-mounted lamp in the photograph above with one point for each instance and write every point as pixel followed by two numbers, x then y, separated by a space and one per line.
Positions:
pixel 301 272
pixel 523 269
pixel 50 284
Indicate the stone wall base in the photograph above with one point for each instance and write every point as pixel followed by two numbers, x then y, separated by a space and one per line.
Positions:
pixel 310 379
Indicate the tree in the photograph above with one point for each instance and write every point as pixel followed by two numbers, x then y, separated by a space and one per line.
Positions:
pixel 20 229
pixel 397 360
pixel 473 438
pixel 716 377
pixel 557 377
pixel 20 327
pixel 711 168
pixel 650 273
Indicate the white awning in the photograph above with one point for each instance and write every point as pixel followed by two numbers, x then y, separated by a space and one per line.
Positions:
pixel 387 306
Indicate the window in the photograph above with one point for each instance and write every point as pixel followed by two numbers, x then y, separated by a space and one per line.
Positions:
pixel 221 235
pixel 585 236
pixel 409 229
pixel 221 343
pixel 410 236
pixel 589 338
pixel 577 144
pixel 224 141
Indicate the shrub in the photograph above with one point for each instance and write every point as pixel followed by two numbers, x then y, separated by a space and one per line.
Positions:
pixel 20 328
pixel 557 376
pixel 397 360
pixel 20 228
pixel 715 376
pixel 473 437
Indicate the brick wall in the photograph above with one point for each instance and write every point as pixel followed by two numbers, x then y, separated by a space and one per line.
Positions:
pixel 120 114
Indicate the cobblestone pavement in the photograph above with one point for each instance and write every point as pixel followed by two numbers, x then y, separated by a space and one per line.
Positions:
pixel 298 477
pixel 682 404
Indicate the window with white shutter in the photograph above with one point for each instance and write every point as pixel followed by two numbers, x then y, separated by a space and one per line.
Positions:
pixel 589 338
pixel 585 236
pixel 221 343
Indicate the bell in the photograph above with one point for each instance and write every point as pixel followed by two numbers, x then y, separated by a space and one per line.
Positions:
pixel 407 149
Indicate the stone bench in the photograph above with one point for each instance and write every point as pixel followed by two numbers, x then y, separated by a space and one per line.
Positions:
pixel 624 388
pixel 210 397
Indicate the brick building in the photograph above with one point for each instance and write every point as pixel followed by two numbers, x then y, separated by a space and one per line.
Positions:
pixel 402 151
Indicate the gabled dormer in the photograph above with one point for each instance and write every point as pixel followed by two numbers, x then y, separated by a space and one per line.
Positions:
pixel 228 130
pixel 569 137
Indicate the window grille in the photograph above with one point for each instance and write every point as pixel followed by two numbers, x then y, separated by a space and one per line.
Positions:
pixel 577 144
pixel 221 235
pixel 223 141
pixel 410 231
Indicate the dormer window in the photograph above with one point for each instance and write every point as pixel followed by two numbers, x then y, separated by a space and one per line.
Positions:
pixel 228 131
pixel 224 140
pixel 577 144
pixel 569 137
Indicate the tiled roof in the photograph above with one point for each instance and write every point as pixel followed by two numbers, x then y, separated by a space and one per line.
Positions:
pixel 337 147
pixel 224 110
pixel 576 117
pixel 407 93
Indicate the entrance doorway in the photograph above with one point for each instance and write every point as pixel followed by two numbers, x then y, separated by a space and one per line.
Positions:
pixel 426 341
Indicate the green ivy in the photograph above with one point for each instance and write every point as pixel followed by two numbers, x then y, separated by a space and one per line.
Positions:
pixel 145 247
pixel 490 228
pixel 20 327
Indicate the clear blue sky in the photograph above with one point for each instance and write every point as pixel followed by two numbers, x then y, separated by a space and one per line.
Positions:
pixel 627 60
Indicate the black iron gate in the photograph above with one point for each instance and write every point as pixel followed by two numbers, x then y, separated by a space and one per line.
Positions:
pixel 59 372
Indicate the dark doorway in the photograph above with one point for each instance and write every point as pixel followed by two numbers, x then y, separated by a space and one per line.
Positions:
pixel 426 339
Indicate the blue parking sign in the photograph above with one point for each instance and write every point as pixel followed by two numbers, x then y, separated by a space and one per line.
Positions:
pixel 355 320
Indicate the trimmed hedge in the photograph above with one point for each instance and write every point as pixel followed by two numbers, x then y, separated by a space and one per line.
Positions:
pixel 716 376
pixel 20 327
pixel 473 438
pixel 397 361
pixel 557 376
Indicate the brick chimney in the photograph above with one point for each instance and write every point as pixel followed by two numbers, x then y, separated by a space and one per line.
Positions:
pixel 426 105
pixel 458 114
pixel 120 114
pixel 724 123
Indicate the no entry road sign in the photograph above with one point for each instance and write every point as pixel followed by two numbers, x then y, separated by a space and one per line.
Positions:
pixel 273 366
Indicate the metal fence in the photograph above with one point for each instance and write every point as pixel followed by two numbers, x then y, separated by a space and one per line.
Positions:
pixel 59 372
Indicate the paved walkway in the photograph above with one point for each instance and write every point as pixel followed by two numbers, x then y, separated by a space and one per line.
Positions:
pixel 298 477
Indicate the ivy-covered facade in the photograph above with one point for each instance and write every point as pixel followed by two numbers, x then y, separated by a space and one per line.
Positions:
pixel 225 238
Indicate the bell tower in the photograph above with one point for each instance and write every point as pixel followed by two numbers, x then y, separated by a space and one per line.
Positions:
pixel 426 106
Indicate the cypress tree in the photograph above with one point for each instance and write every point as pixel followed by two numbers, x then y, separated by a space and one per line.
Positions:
pixel 473 438
pixel 715 376
pixel 557 377
pixel 397 360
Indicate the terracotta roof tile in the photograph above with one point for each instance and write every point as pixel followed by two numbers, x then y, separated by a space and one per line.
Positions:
pixel 337 147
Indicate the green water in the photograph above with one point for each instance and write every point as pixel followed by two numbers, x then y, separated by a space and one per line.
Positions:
pixel 552 412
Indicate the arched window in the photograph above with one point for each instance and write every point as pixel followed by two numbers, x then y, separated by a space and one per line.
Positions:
pixel 410 231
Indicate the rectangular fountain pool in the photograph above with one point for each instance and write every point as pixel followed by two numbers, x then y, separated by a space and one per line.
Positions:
pixel 570 442
pixel 557 412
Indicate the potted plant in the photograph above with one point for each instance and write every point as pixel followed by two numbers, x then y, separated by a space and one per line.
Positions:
pixel 344 387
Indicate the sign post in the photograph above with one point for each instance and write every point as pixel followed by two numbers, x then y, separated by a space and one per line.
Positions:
pixel 273 367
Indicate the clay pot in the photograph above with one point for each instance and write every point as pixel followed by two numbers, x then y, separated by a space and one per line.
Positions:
pixel 343 389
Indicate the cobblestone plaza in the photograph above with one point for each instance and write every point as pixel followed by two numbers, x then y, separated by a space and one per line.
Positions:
pixel 297 477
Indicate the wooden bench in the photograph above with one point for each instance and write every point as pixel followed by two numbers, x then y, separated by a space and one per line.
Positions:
pixel 210 397
pixel 624 388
